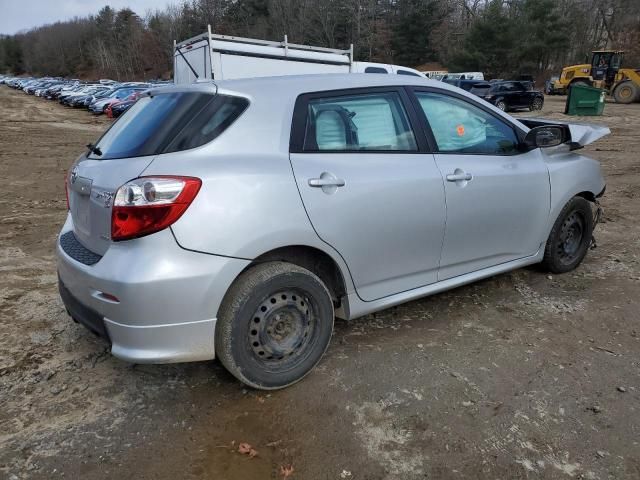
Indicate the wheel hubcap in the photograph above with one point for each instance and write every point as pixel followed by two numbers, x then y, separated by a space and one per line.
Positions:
pixel 282 328
pixel 571 236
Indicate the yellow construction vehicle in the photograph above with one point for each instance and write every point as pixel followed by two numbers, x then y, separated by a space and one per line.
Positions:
pixel 605 71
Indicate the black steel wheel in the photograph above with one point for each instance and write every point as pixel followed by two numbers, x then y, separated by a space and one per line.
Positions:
pixel 284 328
pixel 274 325
pixel 570 237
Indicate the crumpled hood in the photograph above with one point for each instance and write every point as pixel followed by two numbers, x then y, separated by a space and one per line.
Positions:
pixel 586 134
pixel 581 133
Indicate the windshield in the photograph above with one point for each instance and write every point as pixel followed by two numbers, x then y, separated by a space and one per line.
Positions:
pixel 168 122
pixel 102 93
pixel 120 93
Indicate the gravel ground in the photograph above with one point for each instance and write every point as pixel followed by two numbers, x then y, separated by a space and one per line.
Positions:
pixel 523 375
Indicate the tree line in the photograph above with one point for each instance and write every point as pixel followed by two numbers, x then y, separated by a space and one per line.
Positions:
pixel 498 37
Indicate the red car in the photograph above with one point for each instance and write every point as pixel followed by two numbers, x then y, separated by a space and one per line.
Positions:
pixel 130 99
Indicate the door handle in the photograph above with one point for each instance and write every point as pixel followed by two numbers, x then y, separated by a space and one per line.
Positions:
pixel 326 182
pixel 459 177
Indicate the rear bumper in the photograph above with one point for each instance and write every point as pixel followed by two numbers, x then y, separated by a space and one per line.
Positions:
pixel 166 297
pixel 81 313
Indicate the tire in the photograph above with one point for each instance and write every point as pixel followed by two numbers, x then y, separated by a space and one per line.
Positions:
pixel 274 325
pixel 501 104
pixel 570 237
pixel 536 104
pixel 626 92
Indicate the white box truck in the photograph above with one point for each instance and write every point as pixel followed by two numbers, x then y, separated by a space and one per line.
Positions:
pixel 210 56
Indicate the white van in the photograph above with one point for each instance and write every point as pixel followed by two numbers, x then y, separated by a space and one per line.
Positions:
pixel 210 56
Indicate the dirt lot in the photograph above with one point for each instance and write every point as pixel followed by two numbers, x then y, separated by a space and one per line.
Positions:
pixel 523 375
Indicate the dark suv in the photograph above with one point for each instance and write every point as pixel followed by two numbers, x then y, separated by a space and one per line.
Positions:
pixel 513 95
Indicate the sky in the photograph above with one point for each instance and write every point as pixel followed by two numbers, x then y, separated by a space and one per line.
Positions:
pixel 16 15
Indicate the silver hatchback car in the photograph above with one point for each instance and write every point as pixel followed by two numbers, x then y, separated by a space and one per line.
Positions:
pixel 235 219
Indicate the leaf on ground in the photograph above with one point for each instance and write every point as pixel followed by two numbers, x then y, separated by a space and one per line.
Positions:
pixel 286 471
pixel 246 449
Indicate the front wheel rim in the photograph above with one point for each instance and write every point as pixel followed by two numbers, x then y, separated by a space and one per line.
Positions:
pixel 502 106
pixel 571 238
pixel 537 104
pixel 283 330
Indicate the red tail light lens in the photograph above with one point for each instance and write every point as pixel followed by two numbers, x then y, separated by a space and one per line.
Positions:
pixel 149 204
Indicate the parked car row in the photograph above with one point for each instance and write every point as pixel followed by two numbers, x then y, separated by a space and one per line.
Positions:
pixel 103 96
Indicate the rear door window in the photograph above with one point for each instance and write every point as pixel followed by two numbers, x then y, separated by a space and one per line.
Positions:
pixel 362 122
pixel 169 122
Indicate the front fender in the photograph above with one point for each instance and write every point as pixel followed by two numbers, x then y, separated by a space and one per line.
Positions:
pixel 569 175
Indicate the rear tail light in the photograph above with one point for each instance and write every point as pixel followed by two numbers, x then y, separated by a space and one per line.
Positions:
pixel 149 204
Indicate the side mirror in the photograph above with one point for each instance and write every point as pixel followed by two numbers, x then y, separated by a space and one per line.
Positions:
pixel 546 136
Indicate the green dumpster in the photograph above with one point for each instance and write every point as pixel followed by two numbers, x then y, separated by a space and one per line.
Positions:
pixel 585 100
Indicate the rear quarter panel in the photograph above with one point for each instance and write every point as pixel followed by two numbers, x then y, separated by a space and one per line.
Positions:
pixel 249 203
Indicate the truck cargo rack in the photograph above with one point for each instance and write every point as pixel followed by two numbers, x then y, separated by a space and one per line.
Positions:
pixel 264 43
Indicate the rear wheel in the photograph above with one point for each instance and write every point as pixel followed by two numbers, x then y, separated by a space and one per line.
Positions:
pixel 274 325
pixel 536 104
pixel 502 105
pixel 570 237
pixel 626 92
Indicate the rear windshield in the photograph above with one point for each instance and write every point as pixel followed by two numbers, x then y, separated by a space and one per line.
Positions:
pixel 169 122
pixel 480 89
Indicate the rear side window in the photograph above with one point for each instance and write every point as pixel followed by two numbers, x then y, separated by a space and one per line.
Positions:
pixel 375 70
pixel 407 72
pixel 169 122
pixel 363 122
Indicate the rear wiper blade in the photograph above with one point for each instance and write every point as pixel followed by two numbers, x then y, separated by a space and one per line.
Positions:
pixel 93 149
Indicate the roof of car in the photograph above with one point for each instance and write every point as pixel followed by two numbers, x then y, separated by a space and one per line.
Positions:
pixel 291 86
pixel 298 84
